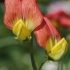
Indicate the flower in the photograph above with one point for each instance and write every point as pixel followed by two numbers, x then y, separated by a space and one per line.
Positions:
pixel 49 39
pixel 59 18
pixel 22 17
pixel 58 13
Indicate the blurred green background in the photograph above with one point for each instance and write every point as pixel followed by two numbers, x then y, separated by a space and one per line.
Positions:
pixel 14 55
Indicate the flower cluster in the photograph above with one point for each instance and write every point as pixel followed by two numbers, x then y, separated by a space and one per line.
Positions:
pixel 24 16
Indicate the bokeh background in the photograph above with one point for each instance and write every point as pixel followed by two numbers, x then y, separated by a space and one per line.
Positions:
pixel 14 55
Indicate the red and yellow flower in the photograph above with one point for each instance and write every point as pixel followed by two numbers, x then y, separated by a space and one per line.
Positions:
pixel 59 19
pixel 48 38
pixel 22 17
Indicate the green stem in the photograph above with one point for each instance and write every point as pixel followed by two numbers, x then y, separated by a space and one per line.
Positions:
pixel 41 64
pixel 46 58
pixel 31 53
pixel 59 65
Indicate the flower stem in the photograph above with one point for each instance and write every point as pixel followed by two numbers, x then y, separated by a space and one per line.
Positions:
pixel 41 64
pixel 58 65
pixel 31 53
pixel 46 58
pixel 61 65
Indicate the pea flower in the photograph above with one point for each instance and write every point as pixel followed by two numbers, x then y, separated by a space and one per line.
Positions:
pixel 49 39
pixel 59 14
pixel 22 17
pixel 59 19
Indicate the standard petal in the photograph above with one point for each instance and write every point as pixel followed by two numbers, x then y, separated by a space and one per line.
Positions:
pixel 56 15
pixel 42 33
pixel 60 18
pixel 45 31
pixel 12 12
pixel 54 32
pixel 65 22
pixel 31 14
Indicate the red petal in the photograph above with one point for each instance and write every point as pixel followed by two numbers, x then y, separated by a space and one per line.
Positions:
pixel 64 21
pixel 61 17
pixel 44 31
pixel 31 14
pixel 12 12
pixel 56 15
pixel 52 29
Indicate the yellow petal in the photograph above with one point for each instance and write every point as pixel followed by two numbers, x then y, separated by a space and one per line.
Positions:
pixel 58 50
pixel 20 30
pixel 49 45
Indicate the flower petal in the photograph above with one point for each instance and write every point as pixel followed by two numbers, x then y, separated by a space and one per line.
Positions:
pixel 56 15
pixel 31 14
pixel 65 22
pixel 60 17
pixel 42 33
pixel 45 31
pixel 59 49
pixel 54 32
pixel 12 12
pixel 20 30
